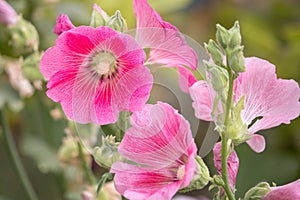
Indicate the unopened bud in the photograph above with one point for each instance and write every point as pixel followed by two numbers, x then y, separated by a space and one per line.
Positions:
pixel 63 23
pixel 99 17
pixel 258 191
pixel 235 36
pixel 19 39
pixel 108 153
pixel 215 52
pixel 219 76
pixel 117 22
pixel 30 67
pixel 236 59
pixel 8 15
pixel 222 36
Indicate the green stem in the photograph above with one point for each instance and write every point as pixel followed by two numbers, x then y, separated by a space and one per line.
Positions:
pixel 89 174
pixel 15 158
pixel 224 149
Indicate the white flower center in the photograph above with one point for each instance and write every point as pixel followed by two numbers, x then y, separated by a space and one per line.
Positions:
pixel 181 172
pixel 104 63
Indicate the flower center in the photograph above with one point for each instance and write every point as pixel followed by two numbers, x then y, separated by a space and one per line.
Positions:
pixel 103 63
pixel 181 172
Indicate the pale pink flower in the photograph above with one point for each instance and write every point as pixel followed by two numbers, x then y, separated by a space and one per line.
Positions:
pixel 161 151
pixel 95 73
pixel 167 45
pixel 232 163
pixel 275 100
pixel 63 23
pixel 290 191
pixel 8 15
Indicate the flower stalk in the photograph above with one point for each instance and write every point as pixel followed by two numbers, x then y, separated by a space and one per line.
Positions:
pixel 224 150
pixel 89 174
pixel 15 158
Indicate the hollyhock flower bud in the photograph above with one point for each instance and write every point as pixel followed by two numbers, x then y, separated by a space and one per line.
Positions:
pixel 108 153
pixel 215 52
pixel 99 17
pixel 219 76
pixel 30 67
pixel 236 59
pixel 117 22
pixel 222 36
pixel 8 15
pixel 235 37
pixel 63 23
pixel 19 39
pixel 290 191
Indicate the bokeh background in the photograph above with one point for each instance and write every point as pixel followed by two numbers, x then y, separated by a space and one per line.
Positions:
pixel 270 30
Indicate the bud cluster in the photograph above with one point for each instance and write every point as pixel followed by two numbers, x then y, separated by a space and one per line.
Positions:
pixel 101 18
pixel 228 60
pixel 108 153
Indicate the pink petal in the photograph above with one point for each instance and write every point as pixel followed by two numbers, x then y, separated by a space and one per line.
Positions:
pixel 289 191
pixel 186 79
pixel 167 137
pixel 137 183
pixel 276 100
pixel 167 44
pixel 130 93
pixel 203 97
pixel 63 23
pixel 232 163
pixel 8 15
pixel 257 143
pixel 69 52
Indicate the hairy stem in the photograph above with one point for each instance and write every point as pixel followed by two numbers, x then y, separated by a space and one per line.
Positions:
pixel 224 150
pixel 15 158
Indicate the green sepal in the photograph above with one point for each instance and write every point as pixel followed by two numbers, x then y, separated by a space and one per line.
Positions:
pixel 215 52
pixel 99 17
pixel 107 153
pixel 257 192
pixel 117 22
pixel 200 179
pixel 222 36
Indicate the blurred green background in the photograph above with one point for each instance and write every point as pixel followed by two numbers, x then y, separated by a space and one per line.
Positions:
pixel 270 30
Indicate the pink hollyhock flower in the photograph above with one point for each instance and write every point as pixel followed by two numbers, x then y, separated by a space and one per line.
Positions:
pixel 232 163
pixel 290 191
pixel 167 45
pixel 95 73
pixel 275 100
pixel 161 151
pixel 8 15
pixel 63 23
